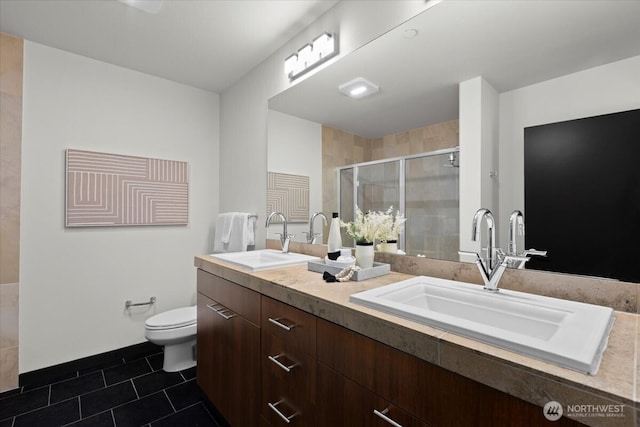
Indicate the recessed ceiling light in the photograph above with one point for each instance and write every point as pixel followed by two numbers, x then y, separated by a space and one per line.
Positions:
pixel 358 88
pixel 149 6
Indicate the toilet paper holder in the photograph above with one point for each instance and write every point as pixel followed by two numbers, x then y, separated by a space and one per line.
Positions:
pixel 128 303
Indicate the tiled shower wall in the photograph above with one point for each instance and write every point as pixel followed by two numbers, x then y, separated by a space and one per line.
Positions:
pixel 11 60
pixel 415 141
pixel 340 148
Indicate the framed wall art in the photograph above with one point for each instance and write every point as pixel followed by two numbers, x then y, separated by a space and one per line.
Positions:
pixel 114 190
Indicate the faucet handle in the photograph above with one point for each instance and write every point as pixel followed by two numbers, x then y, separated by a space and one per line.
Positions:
pixel 509 259
pixel 534 252
pixel 287 236
pixel 311 238
pixel 285 239
pixel 515 261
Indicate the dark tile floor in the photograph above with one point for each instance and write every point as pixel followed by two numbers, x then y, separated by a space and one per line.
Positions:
pixel 125 387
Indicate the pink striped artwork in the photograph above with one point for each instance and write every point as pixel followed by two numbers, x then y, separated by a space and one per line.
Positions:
pixel 112 190
pixel 288 194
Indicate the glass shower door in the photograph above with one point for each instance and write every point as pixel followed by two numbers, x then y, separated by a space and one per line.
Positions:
pixel 424 187
pixel 432 204
pixel 377 186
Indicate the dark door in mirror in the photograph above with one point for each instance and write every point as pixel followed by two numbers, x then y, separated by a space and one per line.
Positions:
pixel 582 195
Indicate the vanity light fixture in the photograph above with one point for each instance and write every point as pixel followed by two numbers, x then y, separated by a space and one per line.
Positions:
pixel 149 6
pixel 311 55
pixel 358 88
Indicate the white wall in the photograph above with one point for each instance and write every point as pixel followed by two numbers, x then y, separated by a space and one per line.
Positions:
pixel 478 157
pixel 298 151
pixel 74 282
pixel 601 90
pixel 244 109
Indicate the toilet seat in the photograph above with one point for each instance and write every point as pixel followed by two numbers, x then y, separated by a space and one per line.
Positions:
pixel 176 318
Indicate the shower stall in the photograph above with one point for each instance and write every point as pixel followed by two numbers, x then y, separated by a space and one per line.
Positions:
pixel 425 187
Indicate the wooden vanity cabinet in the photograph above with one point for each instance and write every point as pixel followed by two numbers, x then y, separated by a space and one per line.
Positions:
pixel 288 360
pixel 449 399
pixel 229 347
pixel 263 362
pixel 357 375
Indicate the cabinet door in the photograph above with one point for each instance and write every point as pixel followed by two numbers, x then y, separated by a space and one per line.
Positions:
pixel 228 362
pixel 376 366
pixel 208 349
pixel 448 399
pixel 237 298
pixel 342 402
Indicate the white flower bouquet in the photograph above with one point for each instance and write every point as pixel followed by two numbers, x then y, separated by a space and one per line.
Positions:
pixel 368 227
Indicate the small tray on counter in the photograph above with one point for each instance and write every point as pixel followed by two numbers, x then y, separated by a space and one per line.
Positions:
pixel 378 269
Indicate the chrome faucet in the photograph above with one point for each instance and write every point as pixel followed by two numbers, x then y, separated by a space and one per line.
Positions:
pixel 311 236
pixel 516 228
pixel 497 261
pixel 491 277
pixel 491 234
pixel 492 268
pixel 285 237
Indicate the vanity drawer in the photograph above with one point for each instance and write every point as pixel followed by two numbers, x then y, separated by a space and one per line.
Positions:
pixel 388 372
pixel 295 371
pixel 296 328
pixel 236 298
pixel 280 401
pixel 348 404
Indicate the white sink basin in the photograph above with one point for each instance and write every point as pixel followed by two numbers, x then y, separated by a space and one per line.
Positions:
pixel 264 259
pixel 566 333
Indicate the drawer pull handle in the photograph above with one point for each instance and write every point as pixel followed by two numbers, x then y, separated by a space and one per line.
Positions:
pixel 280 414
pixel 222 311
pixel 275 360
pixel 384 417
pixel 278 322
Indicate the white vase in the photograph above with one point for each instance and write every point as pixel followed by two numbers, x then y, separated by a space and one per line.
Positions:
pixel 364 255
pixel 389 246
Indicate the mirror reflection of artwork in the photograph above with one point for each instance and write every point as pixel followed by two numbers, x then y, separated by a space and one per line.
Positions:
pixel 112 190
pixel 582 195
pixel 288 194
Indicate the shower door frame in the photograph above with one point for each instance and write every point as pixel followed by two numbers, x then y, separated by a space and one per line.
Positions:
pixel 401 178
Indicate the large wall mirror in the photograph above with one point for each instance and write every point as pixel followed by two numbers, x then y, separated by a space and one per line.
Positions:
pixel 547 61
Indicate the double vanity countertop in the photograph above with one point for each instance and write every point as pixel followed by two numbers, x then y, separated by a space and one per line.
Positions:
pixel 538 382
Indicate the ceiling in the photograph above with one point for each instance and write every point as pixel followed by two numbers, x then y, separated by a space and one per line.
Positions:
pixel 511 44
pixel 209 44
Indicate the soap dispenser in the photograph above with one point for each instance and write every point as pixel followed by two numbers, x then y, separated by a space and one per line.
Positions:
pixel 334 242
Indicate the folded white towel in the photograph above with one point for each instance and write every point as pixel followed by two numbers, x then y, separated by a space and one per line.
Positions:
pixel 223 222
pixel 251 230
pixel 225 226
pixel 231 232
pixel 238 234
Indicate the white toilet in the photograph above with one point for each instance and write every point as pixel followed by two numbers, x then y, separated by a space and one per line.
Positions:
pixel 176 331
